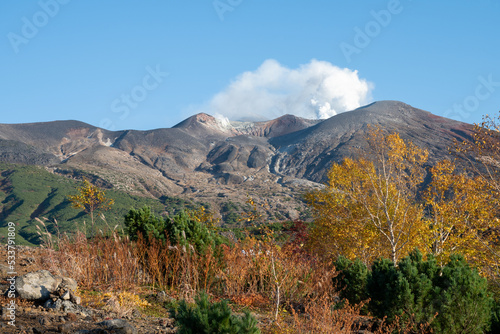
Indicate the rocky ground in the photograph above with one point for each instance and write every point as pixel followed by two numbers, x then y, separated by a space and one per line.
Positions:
pixel 33 317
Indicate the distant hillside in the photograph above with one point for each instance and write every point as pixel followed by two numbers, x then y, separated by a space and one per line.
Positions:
pixel 27 192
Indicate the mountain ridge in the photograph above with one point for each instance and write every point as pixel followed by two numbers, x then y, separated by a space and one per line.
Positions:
pixel 205 158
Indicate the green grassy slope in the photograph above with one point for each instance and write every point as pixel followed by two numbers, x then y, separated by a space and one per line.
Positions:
pixel 27 192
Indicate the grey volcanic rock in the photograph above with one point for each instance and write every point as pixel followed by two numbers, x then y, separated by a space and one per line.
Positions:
pixel 257 158
pixel 287 146
pixel 59 138
pixel 171 151
pixel 240 153
pixel 68 282
pixel 206 126
pixel 66 306
pixel 37 285
pixel 275 128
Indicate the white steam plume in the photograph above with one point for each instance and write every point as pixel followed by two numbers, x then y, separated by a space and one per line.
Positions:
pixel 314 90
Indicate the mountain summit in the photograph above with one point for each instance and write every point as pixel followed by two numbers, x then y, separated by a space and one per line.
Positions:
pixel 203 124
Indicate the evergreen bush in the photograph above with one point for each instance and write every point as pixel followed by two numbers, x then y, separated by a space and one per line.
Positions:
pixel 388 290
pixel 183 230
pixel 461 298
pixel 351 279
pixel 205 317
pixel 455 298
pixel 180 229
pixel 143 221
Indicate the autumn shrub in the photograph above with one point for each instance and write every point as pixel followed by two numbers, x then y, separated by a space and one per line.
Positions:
pixel 321 316
pixel 252 272
pixel 326 315
pixel 245 269
pixel 177 268
pixel 279 274
pixel 207 317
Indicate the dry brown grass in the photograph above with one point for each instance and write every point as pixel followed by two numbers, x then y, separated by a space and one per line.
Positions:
pixel 177 268
pixel 293 291
pixel 102 263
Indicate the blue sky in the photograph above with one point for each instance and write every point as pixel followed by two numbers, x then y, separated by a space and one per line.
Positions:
pixel 150 64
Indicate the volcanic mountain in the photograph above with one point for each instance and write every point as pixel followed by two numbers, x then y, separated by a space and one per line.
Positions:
pixel 214 160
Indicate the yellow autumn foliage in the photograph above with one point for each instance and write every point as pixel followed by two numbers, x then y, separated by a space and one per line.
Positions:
pixel 368 208
pixel 204 216
pixel 378 205
pixel 483 152
pixel 461 216
pixel 90 198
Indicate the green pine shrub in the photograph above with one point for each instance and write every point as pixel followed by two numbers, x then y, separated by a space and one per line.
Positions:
pixel 420 276
pixel 462 299
pixel 206 317
pixel 143 221
pixel 351 279
pixel 180 229
pixel 183 230
pixel 454 299
pixel 388 290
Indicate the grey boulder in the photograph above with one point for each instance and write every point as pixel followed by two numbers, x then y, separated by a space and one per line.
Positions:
pixel 38 285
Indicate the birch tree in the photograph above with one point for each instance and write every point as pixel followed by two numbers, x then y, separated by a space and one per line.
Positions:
pixel 368 208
